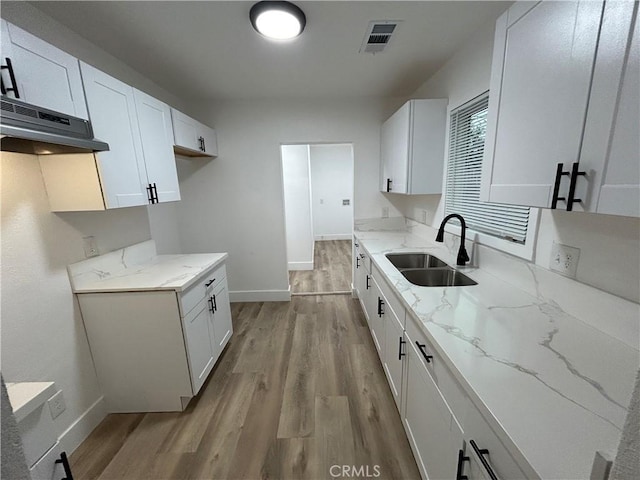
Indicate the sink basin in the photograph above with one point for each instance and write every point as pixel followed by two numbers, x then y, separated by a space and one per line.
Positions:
pixel 437 277
pixel 414 260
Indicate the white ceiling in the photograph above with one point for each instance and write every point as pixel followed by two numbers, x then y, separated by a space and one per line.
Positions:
pixel 209 50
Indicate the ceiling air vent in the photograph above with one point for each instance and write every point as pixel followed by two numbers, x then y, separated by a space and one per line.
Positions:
pixel 378 36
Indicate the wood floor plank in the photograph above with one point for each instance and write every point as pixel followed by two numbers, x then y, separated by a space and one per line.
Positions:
pixel 214 454
pixel 95 453
pixel 334 437
pixel 331 269
pixel 297 412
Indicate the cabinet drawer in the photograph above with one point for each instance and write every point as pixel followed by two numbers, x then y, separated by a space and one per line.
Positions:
pixel 190 298
pixel 390 296
pixel 443 377
pixel 495 454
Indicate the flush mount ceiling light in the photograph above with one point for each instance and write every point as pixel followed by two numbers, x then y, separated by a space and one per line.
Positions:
pixel 277 20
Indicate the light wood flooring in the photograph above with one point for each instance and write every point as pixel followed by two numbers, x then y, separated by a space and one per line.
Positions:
pixel 298 389
pixel 332 269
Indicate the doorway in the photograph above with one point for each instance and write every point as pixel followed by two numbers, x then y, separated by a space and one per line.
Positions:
pixel 318 203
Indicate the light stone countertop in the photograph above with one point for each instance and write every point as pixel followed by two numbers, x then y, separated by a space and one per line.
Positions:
pixel 551 385
pixel 138 268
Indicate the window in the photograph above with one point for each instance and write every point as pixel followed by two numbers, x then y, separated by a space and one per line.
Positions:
pixel 467 131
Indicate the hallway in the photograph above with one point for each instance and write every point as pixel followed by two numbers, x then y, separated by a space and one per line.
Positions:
pixel 332 270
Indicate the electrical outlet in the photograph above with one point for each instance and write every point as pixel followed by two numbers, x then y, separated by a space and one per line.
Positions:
pixel 57 404
pixel 90 246
pixel 385 212
pixel 564 259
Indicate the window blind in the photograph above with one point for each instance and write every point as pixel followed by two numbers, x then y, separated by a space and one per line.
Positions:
pixel 468 129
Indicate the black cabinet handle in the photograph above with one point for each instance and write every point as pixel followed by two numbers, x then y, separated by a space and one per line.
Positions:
pixel 149 194
pixel 481 453
pixel 380 304
pixel 152 193
pixel 461 460
pixel 215 304
pixel 2 89
pixel 211 304
pixel 65 464
pixel 357 262
pixel 209 282
pixel 389 182
pixel 155 194
pixel 421 347
pixel 400 354
pixel 362 256
pixel 556 186
pixel 367 283
pixel 204 145
pixel 12 77
pixel 575 173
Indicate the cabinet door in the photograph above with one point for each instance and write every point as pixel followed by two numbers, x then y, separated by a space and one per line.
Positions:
pixel 156 133
pixel 185 131
pixel 394 351
pixel 209 140
pixel 200 351
pixel 540 78
pixel 395 151
pixel 222 322
pixel 433 432
pixel 611 147
pixel 45 75
pixel 113 116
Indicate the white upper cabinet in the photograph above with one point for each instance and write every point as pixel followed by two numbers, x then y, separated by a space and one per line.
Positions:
pixel 154 120
pixel 192 138
pixel 39 73
pixel 412 148
pixel 112 110
pixel 139 167
pixel 563 116
pixel 611 146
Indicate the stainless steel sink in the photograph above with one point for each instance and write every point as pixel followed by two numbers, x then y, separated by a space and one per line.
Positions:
pixel 414 260
pixel 437 277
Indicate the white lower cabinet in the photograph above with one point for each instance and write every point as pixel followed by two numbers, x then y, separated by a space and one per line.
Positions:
pixel 448 434
pixel 153 350
pixel 434 434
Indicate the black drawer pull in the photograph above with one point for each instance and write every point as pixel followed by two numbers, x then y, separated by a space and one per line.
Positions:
pixel 210 301
pixel 389 181
pixel 421 347
pixel 575 173
pixel 481 453
pixel 65 464
pixel 461 460
pixel 209 282
pixel 12 77
pixel 380 304
pixel 367 284
pixel 357 262
pixel 556 186
pixel 215 305
pixel 400 353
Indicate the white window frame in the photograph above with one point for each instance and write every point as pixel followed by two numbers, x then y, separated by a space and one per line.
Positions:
pixel 524 250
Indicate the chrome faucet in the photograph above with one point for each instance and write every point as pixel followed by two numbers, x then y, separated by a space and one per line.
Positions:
pixel 463 257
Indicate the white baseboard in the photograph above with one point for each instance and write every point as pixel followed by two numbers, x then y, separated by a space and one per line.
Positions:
pixel 79 430
pixel 337 236
pixel 300 265
pixel 261 296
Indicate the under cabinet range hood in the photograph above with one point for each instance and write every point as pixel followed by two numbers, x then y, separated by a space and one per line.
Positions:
pixel 26 128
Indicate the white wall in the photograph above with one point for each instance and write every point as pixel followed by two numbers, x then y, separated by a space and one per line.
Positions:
pixel 609 245
pixel 234 203
pixel 43 338
pixel 331 183
pixel 297 206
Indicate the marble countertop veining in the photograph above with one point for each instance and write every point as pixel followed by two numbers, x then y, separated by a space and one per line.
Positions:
pixel 138 268
pixel 552 386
